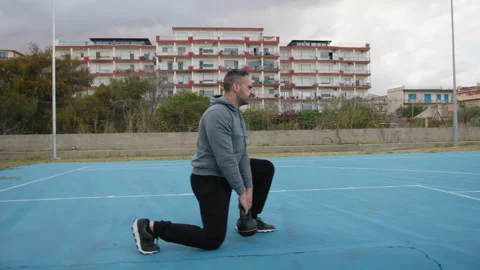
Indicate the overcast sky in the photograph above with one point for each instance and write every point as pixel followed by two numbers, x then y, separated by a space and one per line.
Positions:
pixel 410 39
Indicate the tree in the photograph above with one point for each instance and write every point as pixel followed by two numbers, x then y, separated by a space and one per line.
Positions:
pixel 181 112
pixel 26 92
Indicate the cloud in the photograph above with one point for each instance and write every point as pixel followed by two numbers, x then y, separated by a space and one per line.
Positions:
pixel 410 40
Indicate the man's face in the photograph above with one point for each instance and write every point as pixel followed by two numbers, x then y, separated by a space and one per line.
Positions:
pixel 245 90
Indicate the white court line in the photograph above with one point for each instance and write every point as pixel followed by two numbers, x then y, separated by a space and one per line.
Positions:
pixel 191 194
pixel 369 158
pixel 450 192
pixel 42 179
pixel 467 191
pixel 319 159
pixel 378 169
pixel 134 168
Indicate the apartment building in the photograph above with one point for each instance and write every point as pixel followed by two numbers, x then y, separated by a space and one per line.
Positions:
pixel 197 58
pixel 403 96
pixel 108 58
pixel 7 54
pixel 301 74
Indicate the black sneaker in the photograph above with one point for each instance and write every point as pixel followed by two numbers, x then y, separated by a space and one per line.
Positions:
pixel 143 239
pixel 264 227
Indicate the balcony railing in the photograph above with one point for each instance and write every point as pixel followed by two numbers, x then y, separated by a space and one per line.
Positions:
pixel 304 57
pixel 356 58
pixel 227 52
pixel 205 66
pixel 172 52
pixel 300 70
pixel 102 71
pixel 202 51
pixel 328 70
pixel 358 71
pixel 212 80
pixel 260 67
pixel 229 66
pixel 125 70
pixel 269 53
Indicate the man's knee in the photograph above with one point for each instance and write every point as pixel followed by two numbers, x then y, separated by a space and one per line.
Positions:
pixel 214 242
pixel 265 165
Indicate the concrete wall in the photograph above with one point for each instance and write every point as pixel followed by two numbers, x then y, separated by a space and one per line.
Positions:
pixel 149 141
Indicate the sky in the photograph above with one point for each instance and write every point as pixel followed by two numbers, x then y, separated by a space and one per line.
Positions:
pixel 410 40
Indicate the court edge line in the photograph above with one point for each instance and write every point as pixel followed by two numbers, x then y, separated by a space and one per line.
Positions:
pixel 191 194
pixel 450 192
pixel 42 179
pixel 378 169
pixel 180 162
pixel 468 191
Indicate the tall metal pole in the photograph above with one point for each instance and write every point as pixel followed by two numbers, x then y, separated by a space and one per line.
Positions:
pixel 54 114
pixel 455 117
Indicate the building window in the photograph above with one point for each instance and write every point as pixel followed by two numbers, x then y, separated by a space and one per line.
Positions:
pixel 3 55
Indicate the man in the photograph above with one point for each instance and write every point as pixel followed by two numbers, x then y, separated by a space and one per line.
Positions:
pixel 220 165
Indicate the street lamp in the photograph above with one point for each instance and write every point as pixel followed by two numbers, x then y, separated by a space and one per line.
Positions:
pixel 455 120
pixel 54 122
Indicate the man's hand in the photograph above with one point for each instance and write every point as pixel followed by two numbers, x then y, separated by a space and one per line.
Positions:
pixel 246 199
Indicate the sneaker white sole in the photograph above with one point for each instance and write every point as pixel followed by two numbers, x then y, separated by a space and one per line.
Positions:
pixel 264 231
pixel 136 235
pixel 259 231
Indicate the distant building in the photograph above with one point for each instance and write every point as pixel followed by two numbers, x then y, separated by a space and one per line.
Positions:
pixel 7 54
pixel 401 97
pixel 469 95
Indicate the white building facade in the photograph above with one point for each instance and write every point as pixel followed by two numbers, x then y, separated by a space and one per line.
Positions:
pixel 108 58
pixel 300 75
pixel 197 58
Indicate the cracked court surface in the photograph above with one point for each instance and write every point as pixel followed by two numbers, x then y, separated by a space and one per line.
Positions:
pixel 389 211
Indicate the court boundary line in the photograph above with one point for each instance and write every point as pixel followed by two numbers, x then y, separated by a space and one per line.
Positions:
pixel 191 194
pixel 450 192
pixel 42 179
pixel 178 163
pixel 379 169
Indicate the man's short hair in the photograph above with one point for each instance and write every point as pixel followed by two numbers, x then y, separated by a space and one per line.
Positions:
pixel 234 76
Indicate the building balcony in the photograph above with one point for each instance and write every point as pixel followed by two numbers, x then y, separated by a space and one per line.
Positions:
pixel 265 82
pixel 349 85
pixel 260 68
pixel 206 82
pixel 328 71
pixel 357 59
pixel 224 52
pixel 358 72
pixel 270 54
pixel 177 54
pixel 101 72
pixel 204 67
pixel 306 85
pixel 127 71
pixel 103 58
pixel 174 67
pixel 303 58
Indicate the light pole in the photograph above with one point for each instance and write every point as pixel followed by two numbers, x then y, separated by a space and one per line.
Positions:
pixel 54 122
pixel 455 120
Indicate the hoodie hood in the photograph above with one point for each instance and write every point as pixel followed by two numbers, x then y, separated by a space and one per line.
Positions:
pixel 219 99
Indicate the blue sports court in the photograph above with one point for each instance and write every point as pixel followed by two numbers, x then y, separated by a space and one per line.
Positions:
pixel 381 211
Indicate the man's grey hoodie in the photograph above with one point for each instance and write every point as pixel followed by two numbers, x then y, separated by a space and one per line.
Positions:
pixel 222 145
